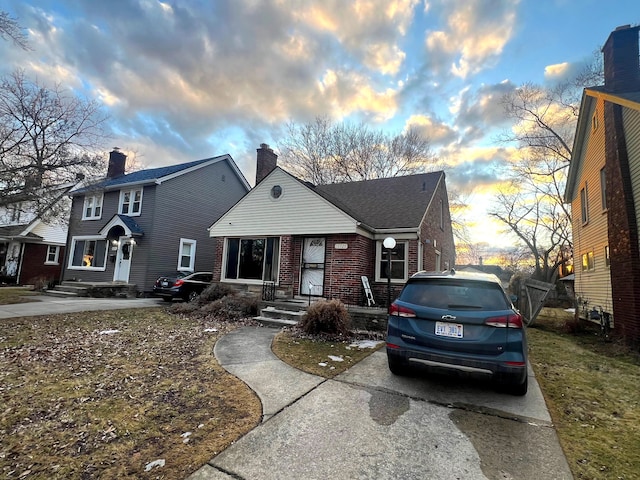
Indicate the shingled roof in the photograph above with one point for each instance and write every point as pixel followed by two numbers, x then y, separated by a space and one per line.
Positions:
pixel 145 176
pixel 396 202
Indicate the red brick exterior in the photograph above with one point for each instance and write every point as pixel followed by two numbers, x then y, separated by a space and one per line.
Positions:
pixel 344 267
pixel 436 233
pixel 33 269
pixel 623 230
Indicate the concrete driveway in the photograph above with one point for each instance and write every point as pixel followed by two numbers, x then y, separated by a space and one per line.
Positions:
pixel 368 423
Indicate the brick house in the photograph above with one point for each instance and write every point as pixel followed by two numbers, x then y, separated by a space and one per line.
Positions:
pixel 319 240
pixel 32 245
pixel 603 187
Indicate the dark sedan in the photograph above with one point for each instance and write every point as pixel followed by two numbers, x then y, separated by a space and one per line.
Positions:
pixel 180 285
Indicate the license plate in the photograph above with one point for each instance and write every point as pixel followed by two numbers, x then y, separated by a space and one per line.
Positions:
pixel 444 329
pixel 165 284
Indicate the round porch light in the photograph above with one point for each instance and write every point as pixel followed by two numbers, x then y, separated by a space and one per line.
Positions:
pixel 389 243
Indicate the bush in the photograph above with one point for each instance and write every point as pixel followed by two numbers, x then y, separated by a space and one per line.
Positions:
pixel 326 318
pixel 183 308
pixel 214 292
pixel 231 307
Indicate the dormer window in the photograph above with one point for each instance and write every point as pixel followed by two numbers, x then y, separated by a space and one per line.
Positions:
pixel 131 202
pixel 92 209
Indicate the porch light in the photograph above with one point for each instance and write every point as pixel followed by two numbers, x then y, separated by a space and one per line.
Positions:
pixel 389 243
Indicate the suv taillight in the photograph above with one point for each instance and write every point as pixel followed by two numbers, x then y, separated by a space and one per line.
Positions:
pixel 401 311
pixel 506 321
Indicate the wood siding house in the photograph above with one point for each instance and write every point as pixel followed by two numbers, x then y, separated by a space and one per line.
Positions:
pixel 133 228
pixel 320 240
pixel 603 188
pixel 32 246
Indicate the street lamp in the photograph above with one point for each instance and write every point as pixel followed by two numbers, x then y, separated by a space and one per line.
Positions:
pixel 389 243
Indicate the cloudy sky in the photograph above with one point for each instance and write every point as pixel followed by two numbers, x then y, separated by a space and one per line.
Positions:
pixel 191 79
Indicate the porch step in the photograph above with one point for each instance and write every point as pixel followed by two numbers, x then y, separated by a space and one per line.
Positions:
pixel 274 317
pixel 69 290
pixel 62 294
pixel 93 289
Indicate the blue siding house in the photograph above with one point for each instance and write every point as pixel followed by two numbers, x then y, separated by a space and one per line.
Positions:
pixel 133 228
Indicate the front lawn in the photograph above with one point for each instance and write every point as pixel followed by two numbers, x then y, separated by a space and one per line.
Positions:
pixel 10 295
pixel 116 394
pixel 592 390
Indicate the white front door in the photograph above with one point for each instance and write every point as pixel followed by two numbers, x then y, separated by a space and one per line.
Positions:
pixel 123 260
pixel 312 277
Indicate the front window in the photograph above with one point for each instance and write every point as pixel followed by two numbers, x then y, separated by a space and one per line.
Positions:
pixel 252 259
pixel 92 209
pixel 88 254
pixel 131 202
pixel 399 262
pixel 187 255
pixel 53 252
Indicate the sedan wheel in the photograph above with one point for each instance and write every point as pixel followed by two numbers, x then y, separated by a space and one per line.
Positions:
pixel 192 296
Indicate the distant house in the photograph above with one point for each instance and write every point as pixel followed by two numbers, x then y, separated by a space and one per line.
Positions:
pixel 133 228
pixel 603 188
pixel 320 240
pixel 498 271
pixel 32 245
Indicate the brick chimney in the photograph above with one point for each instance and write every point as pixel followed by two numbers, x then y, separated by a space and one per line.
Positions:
pixel 117 160
pixel 267 160
pixel 621 60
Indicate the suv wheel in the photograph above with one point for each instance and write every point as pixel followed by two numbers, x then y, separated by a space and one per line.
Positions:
pixel 397 367
pixel 519 389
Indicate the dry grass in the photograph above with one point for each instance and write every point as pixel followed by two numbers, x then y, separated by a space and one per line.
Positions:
pixel 104 394
pixel 10 295
pixel 318 357
pixel 592 389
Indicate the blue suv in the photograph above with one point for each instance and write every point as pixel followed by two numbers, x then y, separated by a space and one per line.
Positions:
pixel 458 321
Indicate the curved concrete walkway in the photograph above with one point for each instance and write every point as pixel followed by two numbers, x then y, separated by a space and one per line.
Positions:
pixel 368 423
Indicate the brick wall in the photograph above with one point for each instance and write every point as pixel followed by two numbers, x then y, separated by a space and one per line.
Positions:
pixel 344 267
pixel 623 230
pixel 33 268
pixel 439 237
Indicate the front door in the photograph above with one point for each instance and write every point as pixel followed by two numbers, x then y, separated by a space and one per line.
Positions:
pixel 123 260
pixel 312 277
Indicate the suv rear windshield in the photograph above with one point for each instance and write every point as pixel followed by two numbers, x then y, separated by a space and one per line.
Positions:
pixel 455 294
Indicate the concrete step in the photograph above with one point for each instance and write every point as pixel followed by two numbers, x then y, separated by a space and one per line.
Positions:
pixel 275 322
pixel 61 294
pixel 80 291
pixel 272 312
pixel 277 317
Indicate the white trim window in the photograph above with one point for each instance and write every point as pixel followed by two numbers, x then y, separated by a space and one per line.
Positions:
pixel 92 208
pixel 187 255
pixel 130 202
pixel 252 259
pixel 399 262
pixel 53 255
pixel 584 205
pixel 88 253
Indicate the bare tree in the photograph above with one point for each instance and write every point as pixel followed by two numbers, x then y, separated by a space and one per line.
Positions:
pixel 10 30
pixel 48 138
pixel 544 127
pixel 322 152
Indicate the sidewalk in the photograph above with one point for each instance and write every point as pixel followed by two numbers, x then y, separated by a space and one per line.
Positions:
pixel 368 423
pixel 46 305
